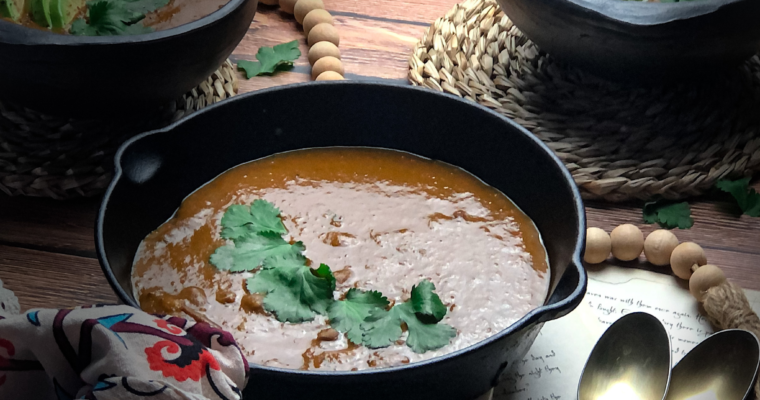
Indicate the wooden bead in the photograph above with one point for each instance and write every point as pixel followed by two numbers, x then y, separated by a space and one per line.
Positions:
pixel 330 76
pixel 659 245
pixel 288 6
pixel 627 242
pixel 704 278
pixel 323 49
pixel 686 256
pixel 326 64
pixel 598 246
pixel 270 2
pixel 314 18
pixel 304 7
pixel 324 32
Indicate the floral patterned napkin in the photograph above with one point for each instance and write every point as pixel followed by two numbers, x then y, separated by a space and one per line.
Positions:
pixel 115 352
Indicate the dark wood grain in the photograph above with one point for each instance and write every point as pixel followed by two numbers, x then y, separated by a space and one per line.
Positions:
pixel 47 247
pixel 43 279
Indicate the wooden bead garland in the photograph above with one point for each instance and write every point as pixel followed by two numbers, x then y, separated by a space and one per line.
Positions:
pixel 661 247
pixel 321 36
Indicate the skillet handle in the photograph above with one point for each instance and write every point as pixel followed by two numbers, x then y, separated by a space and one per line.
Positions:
pixel 569 292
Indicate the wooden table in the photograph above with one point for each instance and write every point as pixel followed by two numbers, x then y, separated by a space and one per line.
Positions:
pixel 47 251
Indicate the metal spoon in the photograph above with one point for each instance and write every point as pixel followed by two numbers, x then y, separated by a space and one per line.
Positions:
pixel 631 361
pixel 722 367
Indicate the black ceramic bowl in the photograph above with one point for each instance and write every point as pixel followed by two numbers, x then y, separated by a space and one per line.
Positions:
pixel 157 170
pixel 90 77
pixel 647 42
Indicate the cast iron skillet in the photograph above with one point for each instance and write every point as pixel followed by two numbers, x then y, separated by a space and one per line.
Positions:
pixel 642 42
pixel 157 170
pixel 82 76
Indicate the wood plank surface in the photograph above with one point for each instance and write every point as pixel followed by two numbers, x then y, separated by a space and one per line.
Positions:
pixel 47 252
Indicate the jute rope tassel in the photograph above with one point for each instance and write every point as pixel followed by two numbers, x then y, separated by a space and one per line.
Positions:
pixel 727 308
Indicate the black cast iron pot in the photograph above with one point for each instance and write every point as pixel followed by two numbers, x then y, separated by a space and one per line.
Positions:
pixel 93 77
pixel 642 41
pixel 157 170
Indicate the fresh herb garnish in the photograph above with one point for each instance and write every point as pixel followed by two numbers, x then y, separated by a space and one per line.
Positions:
pixel 426 304
pixel 746 197
pixel 240 221
pixel 382 328
pixel 115 17
pixel 249 252
pixel 295 292
pixel 347 315
pixel 668 215
pixel 271 59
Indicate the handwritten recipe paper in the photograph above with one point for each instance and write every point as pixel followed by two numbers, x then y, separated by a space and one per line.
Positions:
pixel 553 366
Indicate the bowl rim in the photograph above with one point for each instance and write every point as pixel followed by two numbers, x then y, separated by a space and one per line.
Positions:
pixel 536 315
pixel 651 13
pixel 16 34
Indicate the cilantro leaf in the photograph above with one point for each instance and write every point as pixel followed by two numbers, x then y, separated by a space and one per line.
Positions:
pixel 324 272
pixel 426 304
pixel 293 292
pixel 423 336
pixel 241 221
pixel 746 197
pixel 668 215
pixel 251 251
pixel 347 315
pixel 112 17
pixel 381 328
pixel 271 59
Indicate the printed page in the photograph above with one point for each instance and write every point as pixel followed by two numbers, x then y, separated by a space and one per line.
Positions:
pixel 553 366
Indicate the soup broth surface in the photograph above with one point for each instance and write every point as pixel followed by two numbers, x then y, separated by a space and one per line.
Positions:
pixel 382 220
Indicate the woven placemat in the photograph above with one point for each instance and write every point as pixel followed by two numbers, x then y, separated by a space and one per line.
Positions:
pixel 61 158
pixel 620 142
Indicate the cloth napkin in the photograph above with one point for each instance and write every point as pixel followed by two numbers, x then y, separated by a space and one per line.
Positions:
pixel 115 352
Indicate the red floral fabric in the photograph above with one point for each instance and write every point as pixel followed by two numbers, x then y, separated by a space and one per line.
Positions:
pixel 116 352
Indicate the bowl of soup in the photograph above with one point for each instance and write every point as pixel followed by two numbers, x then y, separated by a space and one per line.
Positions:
pixel 642 41
pixel 351 247
pixel 70 58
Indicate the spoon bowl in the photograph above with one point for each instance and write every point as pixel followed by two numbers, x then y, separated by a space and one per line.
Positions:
pixel 722 367
pixel 631 361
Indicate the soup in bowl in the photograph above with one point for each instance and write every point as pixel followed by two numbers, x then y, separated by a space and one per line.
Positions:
pixel 369 253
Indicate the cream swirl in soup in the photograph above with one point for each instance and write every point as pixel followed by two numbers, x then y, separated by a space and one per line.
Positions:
pixel 382 220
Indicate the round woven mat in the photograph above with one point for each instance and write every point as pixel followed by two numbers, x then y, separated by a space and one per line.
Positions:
pixel 620 142
pixel 62 158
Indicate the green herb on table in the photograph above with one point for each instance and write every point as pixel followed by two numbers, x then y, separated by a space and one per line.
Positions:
pixel 746 197
pixel 668 215
pixel 116 17
pixel 271 59
pixel 295 292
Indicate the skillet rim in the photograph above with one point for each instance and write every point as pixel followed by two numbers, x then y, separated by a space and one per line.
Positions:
pixel 535 316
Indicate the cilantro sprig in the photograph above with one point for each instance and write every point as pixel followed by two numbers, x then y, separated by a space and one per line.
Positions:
pixel 115 17
pixel 746 197
pixel 668 215
pixel 382 327
pixel 347 315
pixel 294 292
pixel 271 59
